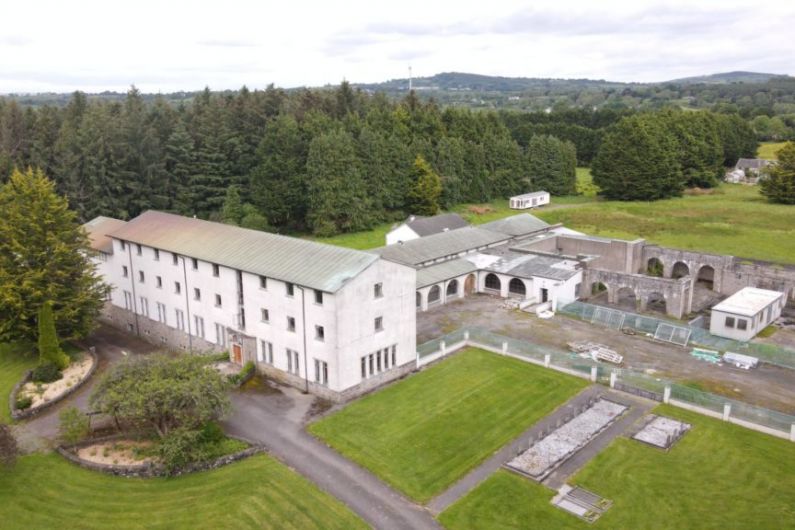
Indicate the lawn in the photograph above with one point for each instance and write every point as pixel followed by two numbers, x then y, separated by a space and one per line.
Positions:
pixel 45 491
pixel 424 433
pixel 15 360
pixel 768 150
pixel 718 476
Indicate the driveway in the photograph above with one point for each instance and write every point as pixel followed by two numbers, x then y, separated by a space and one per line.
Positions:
pixel 275 416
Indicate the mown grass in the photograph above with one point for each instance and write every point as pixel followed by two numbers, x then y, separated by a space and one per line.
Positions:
pixel 15 360
pixel 426 432
pixel 769 150
pixel 45 491
pixel 718 476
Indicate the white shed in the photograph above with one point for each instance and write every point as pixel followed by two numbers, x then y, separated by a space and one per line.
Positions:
pixel 529 200
pixel 746 313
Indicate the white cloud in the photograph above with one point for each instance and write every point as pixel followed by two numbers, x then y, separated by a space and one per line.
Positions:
pixel 180 45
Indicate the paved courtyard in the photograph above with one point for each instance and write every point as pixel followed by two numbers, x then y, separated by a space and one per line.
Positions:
pixel 767 386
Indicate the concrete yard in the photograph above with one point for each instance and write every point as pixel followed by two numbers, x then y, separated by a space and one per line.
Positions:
pixel 767 386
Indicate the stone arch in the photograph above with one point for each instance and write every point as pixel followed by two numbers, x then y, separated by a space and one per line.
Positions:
pixel 517 286
pixel 655 267
pixel 493 282
pixel 434 295
pixel 706 276
pixel 419 299
pixel 598 288
pixel 680 270
pixel 452 288
pixel 626 298
pixel 656 303
pixel 469 284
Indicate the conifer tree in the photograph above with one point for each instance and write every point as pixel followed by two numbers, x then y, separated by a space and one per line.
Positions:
pixel 423 197
pixel 50 351
pixel 232 211
pixel 778 184
pixel 552 165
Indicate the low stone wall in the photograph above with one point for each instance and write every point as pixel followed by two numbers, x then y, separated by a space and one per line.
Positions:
pixel 151 469
pixel 18 414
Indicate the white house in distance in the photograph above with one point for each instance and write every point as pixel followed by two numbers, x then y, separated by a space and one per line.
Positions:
pixel 745 313
pixel 529 200
pixel 331 320
pixel 747 171
pixel 416 226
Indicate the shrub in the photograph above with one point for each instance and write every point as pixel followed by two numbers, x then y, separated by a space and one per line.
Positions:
pixel 181 447
pixel 211 432
pixel 23 402
pixel 244 372
pixel 49 349
pixel 74 425
pixel 46 373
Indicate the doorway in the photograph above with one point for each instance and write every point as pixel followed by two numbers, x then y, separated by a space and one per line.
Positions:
pixel 237 353
pixel 544 295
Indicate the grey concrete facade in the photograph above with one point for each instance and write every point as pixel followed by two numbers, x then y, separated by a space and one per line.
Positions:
pixel 677 293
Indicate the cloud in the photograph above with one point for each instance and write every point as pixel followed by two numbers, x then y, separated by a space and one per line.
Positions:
pixel 227 43
pixel 14 40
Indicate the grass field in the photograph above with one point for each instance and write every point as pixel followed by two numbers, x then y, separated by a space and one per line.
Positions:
pixel 424 433
pixel 768 150
pixel 45 491
pixel 718 476
pixel 13 364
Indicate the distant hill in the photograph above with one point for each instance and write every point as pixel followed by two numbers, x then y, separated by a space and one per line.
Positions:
pixel 728 77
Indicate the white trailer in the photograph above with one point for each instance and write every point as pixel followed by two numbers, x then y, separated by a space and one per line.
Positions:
pixel 746 362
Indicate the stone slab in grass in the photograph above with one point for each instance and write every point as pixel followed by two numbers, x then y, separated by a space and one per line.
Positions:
pixel 424 433
pixel 661 432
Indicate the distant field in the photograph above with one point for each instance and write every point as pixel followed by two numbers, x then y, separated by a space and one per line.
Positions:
pixel 718 476
pixel 768 150
pixel 12 367
pixel 45 491
pixel 424 433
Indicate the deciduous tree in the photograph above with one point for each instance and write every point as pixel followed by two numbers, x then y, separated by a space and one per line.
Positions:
pixel 778 184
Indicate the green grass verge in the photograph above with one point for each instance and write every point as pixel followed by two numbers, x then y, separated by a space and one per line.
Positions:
pixel 424 433
pixel 15 360
pixel 769 150
pixel 45 491
pixel 767 332
pixel 718 476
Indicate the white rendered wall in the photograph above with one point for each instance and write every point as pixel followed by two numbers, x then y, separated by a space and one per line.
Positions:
pixel 401 233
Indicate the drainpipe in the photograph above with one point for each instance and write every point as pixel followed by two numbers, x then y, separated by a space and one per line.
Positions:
pixel 303 330
pixel 187 303
pixel 132 283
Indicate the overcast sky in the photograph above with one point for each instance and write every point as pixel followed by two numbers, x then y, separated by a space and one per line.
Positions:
pixel 166 45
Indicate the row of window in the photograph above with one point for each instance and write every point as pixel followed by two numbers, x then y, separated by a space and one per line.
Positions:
pixel 265 355
pixel 379 361
pixel 741 323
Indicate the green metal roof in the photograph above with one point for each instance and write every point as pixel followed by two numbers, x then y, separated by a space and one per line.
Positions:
pixel 444 271
pixel 299 261
pixel 418 251
pixel 516 225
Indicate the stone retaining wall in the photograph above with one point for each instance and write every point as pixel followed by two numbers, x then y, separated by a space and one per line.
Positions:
pixel 18 414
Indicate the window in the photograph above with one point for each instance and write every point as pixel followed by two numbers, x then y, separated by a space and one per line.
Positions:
pixel 177 288
pixel 220 334
pixel 378 290
pixel 124 271
pixel 216 270
pixel 123 245
pixel 195 263
pixel 379 324
pixel 378 360
pixel 292 361
pixel 180 319
pixel 144 306
pixel 265 353
pixel 318 297
pixel 371 362
pixel 386 358
pixel 321 372
pixel 320 333
pixel 217 300
pixel 174 258
pixel 197 293
pixel 265 315
pixel 729 322
pixel 161 313
pixel 263 282
pixel 364 367
pixel 577 290
pixel 199 325
pixel 290 289
pixel 128 300
pixel 394 354
pixel 141 276
pixel 742 324
pixel 138 249
pixel 157 254
pixel 290 324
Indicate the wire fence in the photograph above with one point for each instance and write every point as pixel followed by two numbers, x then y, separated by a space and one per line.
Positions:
pixel 628 380
pixel 678 331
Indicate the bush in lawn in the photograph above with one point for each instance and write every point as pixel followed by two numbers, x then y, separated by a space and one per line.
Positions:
pixel 211 433
pixel 162 393
pixel 23 402
pixel 247 369
pixel 181 447
pixel 74 425
pixel 8 446
pixel 45 373
pixel 50 351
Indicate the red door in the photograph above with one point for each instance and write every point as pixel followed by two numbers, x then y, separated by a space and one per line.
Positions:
pixel 237 353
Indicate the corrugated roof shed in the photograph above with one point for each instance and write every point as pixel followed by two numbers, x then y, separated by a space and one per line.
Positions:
pixel 299 261
pixel 426 226
pixel 516 225
pixel 98 229
pixel 437 246
pixel 444 271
